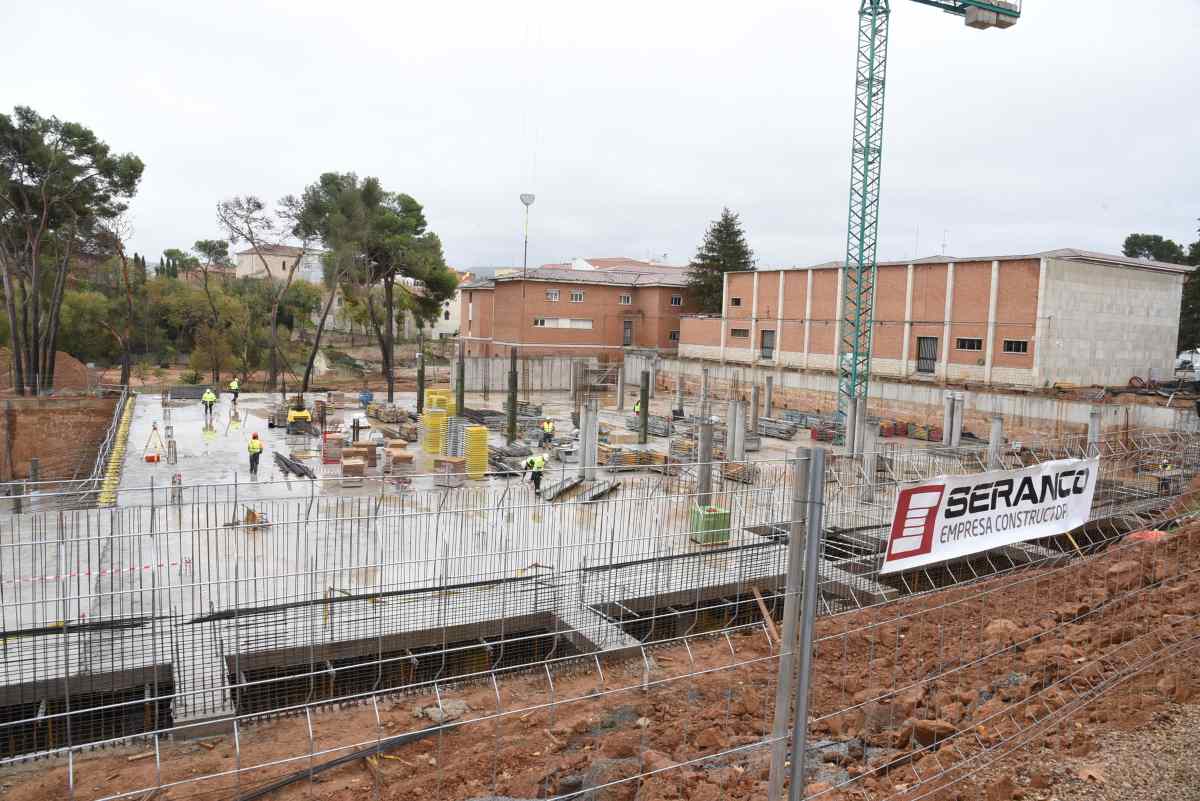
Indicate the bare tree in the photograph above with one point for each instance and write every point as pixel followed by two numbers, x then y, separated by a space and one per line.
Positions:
pixel 245 219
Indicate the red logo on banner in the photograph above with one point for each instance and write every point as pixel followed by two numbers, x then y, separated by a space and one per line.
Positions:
pixel 912 528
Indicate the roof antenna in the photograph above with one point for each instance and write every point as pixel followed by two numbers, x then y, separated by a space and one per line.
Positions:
pixel 945 236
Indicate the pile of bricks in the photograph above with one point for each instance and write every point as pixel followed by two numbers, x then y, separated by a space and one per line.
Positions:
pixel 396 458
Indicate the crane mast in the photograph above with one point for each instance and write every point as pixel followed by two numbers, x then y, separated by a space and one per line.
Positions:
pixel 856 320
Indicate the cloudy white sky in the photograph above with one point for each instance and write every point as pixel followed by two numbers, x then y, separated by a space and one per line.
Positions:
pixel 635 122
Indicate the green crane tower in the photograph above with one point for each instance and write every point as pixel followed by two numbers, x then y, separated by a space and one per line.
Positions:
pixel 858 296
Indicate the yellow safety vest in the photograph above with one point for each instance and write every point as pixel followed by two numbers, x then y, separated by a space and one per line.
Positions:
pixel 233 385
pixel 548 427
pixel 208 397
pixel 537 462
pixel 255 446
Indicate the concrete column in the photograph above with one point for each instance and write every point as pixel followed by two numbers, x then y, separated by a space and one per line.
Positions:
pixel 860 425
pixel 589 431
pixel 768 407
pixel 947 317
pixel 779 319
pixel 840 309
pixel 995 442
pixel 947 416
pixel 704 465
pixel 754 349
pixel 993 300
pixel 679 392
pixel 851 425
pixel 653 375
pixel 621 389
pixel 644 416
pixel 1040 327
pixel 959 403
pixel 704 391
pixel 908 321
pixel 754 407
pixel 739 430
pixel 807 317
pixel 1093 434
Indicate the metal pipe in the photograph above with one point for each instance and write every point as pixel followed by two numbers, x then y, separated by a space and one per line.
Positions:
pixel 1093 434
pixel 644 409
pixel 704 466
pixel 768 410
pixel 791 621
pixel 812 551
pixel 512 395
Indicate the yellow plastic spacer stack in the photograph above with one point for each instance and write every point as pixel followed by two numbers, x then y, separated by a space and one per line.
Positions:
pixel 116 458
pixel 433 429
pixel 440 399
pixel 476 451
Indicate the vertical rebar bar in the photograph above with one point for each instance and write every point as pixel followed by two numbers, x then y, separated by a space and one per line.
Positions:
pixel 644 409
pixel 860 425
pixel 460 374
pixel 792 604
pixel 995 442
pixel 769 403
pixel 754 401
pixel 704 465
pixel 812 549
pixel 512 396
pixel 851 422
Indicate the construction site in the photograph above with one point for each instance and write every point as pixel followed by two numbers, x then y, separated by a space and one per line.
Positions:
pixel 394 551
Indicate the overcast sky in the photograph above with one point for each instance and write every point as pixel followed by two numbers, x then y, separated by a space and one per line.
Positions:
pixel 635 122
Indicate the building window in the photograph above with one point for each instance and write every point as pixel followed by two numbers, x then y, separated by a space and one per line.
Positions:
pixel 577 296
pixel 584 325
pixel 1016 346
pixel 735 301
pixel 552 295
pixel 673 336
pixel 739 333
pixel 539 322
pixel 968 343
pixel 446 315
pixel 677 300
pixel 625 300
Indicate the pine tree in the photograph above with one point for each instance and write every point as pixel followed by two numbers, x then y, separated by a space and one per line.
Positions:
pixel 724 249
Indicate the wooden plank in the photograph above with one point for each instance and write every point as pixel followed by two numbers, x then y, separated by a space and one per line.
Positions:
pixel 766 615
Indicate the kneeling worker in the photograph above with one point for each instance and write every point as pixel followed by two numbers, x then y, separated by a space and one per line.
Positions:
pixel 547 432
pixel 255 447
pixel 535 464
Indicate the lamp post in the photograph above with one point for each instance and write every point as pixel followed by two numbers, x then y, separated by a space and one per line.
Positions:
pixel 527 201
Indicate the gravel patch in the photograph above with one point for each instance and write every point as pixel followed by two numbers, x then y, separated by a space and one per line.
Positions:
pixel 1156 764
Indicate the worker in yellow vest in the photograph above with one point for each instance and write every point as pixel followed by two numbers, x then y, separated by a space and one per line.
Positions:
pixel 535 464
pixel 234 387
pixel 208 399
pixel 547 432
pixel 255 447
pixel 637 406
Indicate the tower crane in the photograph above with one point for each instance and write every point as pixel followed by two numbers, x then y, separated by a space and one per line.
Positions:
pixel 857 318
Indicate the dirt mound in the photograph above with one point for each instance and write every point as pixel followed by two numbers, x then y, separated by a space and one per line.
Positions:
pixel 69 372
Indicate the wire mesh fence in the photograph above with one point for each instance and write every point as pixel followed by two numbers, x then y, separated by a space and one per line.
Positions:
pixel 643 631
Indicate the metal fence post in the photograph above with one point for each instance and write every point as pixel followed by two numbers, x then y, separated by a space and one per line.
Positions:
pixel 812 553
pixel 792 604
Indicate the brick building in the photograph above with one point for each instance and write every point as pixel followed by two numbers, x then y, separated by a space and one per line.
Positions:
pixel 593 307
pixel 1065 316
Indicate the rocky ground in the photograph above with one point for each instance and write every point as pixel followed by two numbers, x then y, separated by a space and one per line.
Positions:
pixel 1048 683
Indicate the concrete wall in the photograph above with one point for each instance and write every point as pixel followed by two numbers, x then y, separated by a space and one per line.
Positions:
pixel 61 432
pixel 1103 324
pixel 548 374
pixel 1025 414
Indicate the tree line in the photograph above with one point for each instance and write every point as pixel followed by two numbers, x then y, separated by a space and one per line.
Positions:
pixel 68 283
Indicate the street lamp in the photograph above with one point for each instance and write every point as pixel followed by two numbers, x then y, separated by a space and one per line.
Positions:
pixel 527 199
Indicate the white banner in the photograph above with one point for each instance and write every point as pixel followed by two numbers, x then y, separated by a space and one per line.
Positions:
pixel 955 516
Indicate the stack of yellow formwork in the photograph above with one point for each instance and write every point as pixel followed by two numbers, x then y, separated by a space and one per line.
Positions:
pixel 433 429
pixel 116 457
pixel 476 451
pixel 440 399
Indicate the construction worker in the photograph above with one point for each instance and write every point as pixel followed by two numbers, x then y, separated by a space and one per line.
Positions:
pixel 234 387
pixel 255 448
pixel 637 406
pixel 547 432
pixel 208 399
pixel 535 464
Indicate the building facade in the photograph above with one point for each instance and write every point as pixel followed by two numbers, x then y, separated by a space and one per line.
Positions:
pixel 562 311
pixel 1062 316
pixel 280 259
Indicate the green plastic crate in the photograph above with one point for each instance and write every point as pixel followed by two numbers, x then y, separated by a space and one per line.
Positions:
pixel 710 525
